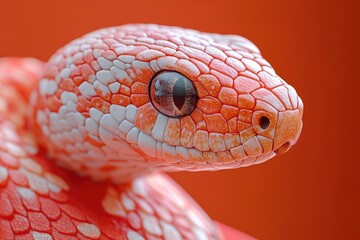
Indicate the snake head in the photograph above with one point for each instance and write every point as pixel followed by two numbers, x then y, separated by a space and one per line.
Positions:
pixel 124 99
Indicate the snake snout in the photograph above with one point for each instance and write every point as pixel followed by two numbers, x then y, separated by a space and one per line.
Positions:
pixel 288 130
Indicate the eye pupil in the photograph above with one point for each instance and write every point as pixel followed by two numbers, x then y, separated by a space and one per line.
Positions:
pixel 264 122
pixel 173 94
pixel 179 93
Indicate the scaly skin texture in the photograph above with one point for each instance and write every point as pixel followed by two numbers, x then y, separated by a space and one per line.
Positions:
pixel 91 113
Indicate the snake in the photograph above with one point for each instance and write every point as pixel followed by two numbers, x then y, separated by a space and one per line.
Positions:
pixel 85 138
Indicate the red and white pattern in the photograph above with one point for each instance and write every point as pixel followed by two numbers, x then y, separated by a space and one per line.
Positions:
pixel 91 113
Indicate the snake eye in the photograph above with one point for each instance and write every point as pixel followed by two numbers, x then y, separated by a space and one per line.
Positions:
pixel 173 94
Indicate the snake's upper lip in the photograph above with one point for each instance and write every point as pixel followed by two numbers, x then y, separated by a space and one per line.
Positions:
pixel 283 148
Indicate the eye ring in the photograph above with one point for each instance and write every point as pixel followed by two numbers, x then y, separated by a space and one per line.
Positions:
pixel 172 94
pixel 264 123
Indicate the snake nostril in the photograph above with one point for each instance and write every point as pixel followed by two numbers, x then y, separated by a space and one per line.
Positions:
pixel 264 122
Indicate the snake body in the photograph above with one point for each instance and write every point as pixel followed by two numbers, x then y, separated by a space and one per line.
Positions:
pixel 120 105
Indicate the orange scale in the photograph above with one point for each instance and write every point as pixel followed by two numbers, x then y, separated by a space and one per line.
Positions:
pixel 86 70
pixel 210 83
pixel 232 140
pixel 172 132
pixel 242 126
pixel 246 134
pixel 223 68
pixel 209 105
pixel 251 75
pixel 187 68
pixel 238 152
pixel 196 115
pixel 228 96
pixel 77 71
pixel 266 143
pixel 125 90
pixel 170 156
pixel 195 156
pixel 246 101
pixel 127 81
pixel 245 115
pixel 104 95
pixel 201 125
pixel 146 117
pixel 252 147
pixel 196 54
pixel 201 90
pixel 223 79
pixel 216 142
pixel 100 104
pixel 54 103
pixel 211 157
pixel 180 55
pixel 225 156
pixel 200 65
pixel 201 140
pixel 88 56
pixel 232 124
pixel 139 87
pixel 86 114
pixel 67 84
pixel 120 99
pixel 78 80
pixel 139 99
pixel 95 66
pixel 188 129
pixel 229 112
pixel 83 104
pixel 58 93
pixel 245 85
pixel 142 74
pixel 216 123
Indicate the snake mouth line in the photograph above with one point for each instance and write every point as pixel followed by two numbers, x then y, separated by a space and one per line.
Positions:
pixel 283 148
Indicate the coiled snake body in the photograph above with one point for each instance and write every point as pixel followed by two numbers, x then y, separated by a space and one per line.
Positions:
pixel 118 106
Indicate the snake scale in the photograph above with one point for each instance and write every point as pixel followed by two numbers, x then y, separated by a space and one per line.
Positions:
pixel 84 138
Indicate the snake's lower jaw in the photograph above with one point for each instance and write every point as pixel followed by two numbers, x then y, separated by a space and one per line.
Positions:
pixel 288 130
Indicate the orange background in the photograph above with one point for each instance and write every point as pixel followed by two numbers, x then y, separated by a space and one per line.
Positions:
pixel 312 192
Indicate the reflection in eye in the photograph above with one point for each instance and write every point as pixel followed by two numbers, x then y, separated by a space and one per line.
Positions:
pixel 173 94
